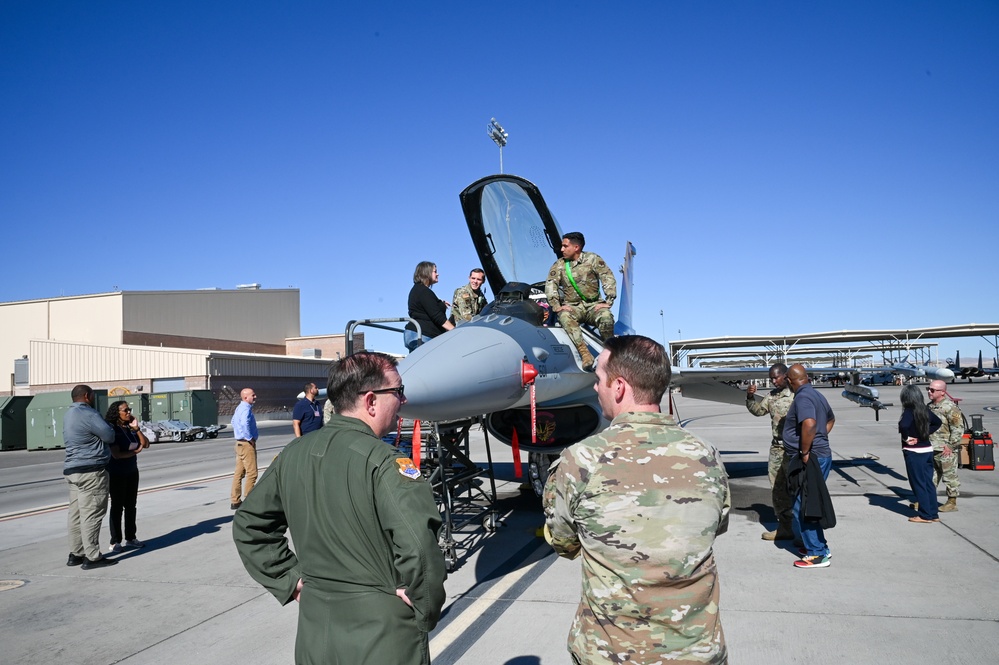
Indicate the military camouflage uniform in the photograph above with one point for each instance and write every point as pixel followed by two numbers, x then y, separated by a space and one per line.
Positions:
pixel 950 434
pixel 776 403
pixel 466 303
pixel 590 272
pixel 643 500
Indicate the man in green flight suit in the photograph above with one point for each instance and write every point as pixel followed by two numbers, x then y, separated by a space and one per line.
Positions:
pixel 643 501
pixel 366 567
pixel 573 293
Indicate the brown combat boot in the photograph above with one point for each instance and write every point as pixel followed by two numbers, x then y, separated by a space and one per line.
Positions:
pixel 585 357
pixel 950 506
pixel 777 534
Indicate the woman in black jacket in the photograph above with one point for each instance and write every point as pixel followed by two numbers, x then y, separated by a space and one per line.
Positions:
pixel 425 307
pixel 123 473
pixel 914 427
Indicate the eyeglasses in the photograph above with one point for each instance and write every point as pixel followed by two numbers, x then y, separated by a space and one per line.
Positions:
pixel 400 391
pixel 126 410
pixel 934 390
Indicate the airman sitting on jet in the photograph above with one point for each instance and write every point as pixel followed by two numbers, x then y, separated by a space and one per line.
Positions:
pixel 573 292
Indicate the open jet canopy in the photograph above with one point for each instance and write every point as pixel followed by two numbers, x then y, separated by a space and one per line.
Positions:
pixel 515 235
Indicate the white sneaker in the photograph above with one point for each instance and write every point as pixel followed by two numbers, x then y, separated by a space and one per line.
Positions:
pixel 116 548
pixel 134 543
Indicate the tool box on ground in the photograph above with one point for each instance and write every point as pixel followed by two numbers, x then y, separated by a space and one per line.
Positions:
pixel 980 450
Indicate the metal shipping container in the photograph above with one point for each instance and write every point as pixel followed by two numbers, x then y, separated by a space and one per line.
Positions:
pixel 13 422
pixel 44 417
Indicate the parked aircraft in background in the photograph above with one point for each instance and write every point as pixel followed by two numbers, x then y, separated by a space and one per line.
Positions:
pixel 970 373
pixel 931 372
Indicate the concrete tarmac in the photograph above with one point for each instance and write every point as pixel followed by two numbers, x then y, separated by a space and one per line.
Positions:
pixel 896 592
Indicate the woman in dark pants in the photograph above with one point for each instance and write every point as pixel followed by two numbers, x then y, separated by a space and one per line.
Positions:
pixel 915 426
pixel 123 473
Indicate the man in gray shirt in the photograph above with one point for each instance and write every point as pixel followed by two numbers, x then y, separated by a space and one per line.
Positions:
pixel 87 437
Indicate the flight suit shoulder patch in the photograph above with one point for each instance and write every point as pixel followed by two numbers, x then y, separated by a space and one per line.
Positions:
pixel 407 468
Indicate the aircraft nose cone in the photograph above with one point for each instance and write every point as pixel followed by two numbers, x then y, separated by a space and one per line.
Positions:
pixel 465 372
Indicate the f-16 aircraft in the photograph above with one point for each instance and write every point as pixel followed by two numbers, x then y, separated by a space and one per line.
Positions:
pixel 970 373
pixel 484 366
pixel 928 371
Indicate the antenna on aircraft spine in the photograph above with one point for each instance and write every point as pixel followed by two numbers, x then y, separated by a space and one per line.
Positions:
pixel 499 136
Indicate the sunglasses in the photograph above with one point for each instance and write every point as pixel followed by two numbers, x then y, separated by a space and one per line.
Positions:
pixel 398 390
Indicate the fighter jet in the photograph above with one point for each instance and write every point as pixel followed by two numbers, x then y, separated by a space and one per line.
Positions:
pixel 486 366
pixel 928 371
pixel 970 373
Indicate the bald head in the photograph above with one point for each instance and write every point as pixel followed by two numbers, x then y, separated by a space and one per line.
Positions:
pixel 937 390
pixel 248 395
pixel 797 377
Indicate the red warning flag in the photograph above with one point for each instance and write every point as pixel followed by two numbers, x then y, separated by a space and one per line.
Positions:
pixel 416 444
pixel 515 444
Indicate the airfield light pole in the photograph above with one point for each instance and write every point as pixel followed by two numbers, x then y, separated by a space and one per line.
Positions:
pixel 499 137
pixel 662 320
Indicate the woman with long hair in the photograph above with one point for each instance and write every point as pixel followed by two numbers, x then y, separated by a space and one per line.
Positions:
pixel 425 307
pixel 914 427
pixel 123 473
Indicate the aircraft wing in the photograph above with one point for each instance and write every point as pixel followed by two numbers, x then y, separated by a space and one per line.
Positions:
pixel 714 383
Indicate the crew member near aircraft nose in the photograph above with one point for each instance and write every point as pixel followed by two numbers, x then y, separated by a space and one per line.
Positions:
pixel 425 308
pixel 776 403
pixel 468 300
pixel 366 566
pixel 642 501
pixel 573 292
pixel 244 430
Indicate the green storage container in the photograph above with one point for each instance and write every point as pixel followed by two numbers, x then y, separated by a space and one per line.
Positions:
pixel 159 407
pixel 197 407
pixel 139 403
pixel 44 417
pixel 13 422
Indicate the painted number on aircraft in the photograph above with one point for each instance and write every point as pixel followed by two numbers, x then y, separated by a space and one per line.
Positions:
pixel 559 348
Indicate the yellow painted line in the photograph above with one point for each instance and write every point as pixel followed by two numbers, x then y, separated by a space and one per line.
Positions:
pixel 456 628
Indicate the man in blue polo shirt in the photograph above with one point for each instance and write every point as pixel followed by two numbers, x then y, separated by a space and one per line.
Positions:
pixel 806 433
pixel 307 416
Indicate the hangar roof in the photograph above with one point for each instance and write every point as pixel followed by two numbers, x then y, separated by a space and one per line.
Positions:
pixel 886 341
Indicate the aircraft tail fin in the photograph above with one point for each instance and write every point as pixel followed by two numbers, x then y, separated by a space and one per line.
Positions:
pixel 623 325
pixel 980 359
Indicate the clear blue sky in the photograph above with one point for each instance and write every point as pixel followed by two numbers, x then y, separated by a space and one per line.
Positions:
pixel 781 167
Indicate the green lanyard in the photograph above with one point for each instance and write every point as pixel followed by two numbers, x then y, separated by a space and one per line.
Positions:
pixel 568 274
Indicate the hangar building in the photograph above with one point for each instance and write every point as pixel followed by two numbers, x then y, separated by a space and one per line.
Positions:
pixel 157 341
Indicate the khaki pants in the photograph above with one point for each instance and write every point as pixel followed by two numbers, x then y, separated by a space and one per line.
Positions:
pixel 246 465
pixel 88 502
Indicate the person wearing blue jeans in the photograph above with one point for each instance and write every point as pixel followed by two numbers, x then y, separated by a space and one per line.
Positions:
pixel 806 433
pixel 809 533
